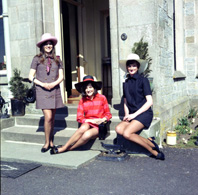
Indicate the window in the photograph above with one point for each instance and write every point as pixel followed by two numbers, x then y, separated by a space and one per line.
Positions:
pixel 178 30
pixel 2 43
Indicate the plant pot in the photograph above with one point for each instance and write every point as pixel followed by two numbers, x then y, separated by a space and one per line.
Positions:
pixel 17 107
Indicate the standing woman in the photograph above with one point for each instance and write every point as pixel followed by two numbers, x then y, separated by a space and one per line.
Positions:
pixel 93 109
pixel 47 73
pixel 137 105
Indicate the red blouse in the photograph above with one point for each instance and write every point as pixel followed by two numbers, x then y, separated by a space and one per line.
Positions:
pixel 90 109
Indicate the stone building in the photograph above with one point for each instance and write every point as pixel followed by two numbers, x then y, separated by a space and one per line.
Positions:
pixel 90 41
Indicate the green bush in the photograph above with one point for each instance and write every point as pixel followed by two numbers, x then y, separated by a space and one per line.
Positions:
pixel 183 126
pixel 17 87
pixel 192 113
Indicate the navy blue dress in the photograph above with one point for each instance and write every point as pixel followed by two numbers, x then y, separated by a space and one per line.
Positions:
pixel 135 90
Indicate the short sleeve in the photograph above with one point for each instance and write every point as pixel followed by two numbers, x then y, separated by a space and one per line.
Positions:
pixel 146 87
pixel 34 63
pixel 60 66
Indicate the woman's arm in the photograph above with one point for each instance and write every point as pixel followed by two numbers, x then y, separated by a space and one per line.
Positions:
pixel 106 116
pixel 58 81
pixel 80 112
pixel 145 107
pixel 126 110
pixel 31 77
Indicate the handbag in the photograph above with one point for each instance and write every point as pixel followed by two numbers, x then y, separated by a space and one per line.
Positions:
pixel 103 130
pixel 31 94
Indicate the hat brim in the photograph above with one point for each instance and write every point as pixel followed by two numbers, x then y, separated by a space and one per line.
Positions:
pixel 142 68
pixel 53 39
pixel 97 85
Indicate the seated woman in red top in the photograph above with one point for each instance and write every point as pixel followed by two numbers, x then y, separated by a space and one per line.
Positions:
pixel 93 109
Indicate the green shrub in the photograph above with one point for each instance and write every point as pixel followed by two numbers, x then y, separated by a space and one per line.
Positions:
pixel 192 113
pixel 183 126
pixel 17 87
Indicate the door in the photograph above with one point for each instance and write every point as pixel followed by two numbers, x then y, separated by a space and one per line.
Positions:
pixel 71 42
pixel 86 41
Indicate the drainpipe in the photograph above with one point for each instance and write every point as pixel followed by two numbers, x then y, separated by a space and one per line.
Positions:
pixel 7 40
pixel 57 24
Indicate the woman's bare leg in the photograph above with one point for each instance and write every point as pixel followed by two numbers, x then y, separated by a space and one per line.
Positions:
pixel 52 129
pixel 48 121
pixel 89 134
pixel 128 130
pixel 130 134
pixel 120 128
pixel 75 137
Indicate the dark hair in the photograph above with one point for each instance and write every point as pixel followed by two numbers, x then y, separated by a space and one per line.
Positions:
pixel 84 88
pixel 42 57
pixel 132 62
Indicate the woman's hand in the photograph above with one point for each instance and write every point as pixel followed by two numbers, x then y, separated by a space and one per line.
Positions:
pixel 51 85
pixel 129 117
pixel 48 86
pixel 96 121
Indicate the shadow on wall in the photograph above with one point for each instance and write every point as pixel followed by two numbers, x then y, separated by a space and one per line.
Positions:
pixel 120 108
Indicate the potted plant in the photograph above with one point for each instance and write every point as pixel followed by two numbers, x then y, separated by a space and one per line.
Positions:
pixel 141 48
pixel 19 90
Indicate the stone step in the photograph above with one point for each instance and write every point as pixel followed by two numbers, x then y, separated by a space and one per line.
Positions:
pixel 61 121
pixel 35 134
pixel 68 109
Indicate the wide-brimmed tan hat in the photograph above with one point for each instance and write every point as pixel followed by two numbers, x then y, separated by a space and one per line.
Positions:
pixel 88 79
pixel 133 56
pixel 47 37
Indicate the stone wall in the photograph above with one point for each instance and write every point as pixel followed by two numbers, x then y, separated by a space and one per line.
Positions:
pixel 28 20
pixel 191 45
pixel 153 20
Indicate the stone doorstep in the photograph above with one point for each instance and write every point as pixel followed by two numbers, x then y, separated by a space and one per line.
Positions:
pixel 33 134
pixel 67 110
pixel 61 136
pixel 60 121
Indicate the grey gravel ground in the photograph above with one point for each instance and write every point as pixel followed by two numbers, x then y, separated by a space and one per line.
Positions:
pixel 177 175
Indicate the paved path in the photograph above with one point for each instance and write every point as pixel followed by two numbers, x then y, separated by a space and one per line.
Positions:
pixel 177 175
pixel 25 151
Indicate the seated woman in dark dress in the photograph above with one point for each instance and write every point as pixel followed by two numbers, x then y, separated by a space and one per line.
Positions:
pixel 137 105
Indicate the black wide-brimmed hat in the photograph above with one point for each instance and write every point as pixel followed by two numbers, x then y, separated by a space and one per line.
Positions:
pixel 88 79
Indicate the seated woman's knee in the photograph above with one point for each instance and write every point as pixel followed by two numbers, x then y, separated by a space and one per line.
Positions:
pixel 86 136
pixel 119 129
pixel 84 127
pixel 128 135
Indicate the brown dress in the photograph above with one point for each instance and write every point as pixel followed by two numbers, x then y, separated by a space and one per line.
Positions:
pixel 47 99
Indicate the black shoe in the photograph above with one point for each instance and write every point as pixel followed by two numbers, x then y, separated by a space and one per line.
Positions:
pixel 59 146
pixel 156 146
pixel 160 156
pixel 45 149
pixel 54 150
